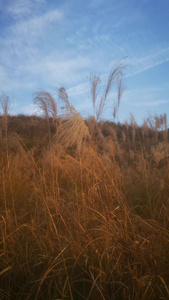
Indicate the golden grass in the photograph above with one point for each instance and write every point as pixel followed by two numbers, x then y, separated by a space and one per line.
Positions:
pixel 84 227
pixel 85 217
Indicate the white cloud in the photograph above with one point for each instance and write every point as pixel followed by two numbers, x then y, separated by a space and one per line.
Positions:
pixel 23 38
pixel 141 64
pixel 10 84
pixel 23 8
pixel 35 25
pixel 56 68
pixel 79 89
pixel 29 109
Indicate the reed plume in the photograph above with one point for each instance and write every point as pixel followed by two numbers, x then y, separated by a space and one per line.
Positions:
pixel 72 129
pixel 46 104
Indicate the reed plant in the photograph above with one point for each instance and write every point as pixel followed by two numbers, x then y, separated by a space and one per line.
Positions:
pixel 83 222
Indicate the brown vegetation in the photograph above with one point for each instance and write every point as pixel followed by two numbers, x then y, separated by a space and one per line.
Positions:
pixel 84 206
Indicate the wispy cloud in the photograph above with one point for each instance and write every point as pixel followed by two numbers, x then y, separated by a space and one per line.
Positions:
pixel 79 89
pixel 135 66
pixel 141 64
pixel 55 69
pixel 35 25
pixel 151 103
pixel 23 8
pixel 21 43
pixel 45 44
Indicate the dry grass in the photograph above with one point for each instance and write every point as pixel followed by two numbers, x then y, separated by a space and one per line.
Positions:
pixel 114 79
pixel 86 218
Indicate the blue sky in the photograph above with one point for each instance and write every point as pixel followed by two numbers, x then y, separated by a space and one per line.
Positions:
pixel 47 44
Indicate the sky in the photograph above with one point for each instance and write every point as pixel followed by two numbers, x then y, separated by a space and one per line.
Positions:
pixel 48 44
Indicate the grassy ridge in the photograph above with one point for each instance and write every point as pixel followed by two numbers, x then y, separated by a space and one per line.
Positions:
pixel 87 222
pixel 84 206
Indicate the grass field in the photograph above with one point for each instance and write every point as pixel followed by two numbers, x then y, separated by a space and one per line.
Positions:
pixel 84 205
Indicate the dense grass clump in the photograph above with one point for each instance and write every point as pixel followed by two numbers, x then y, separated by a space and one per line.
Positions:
pixel 84 206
